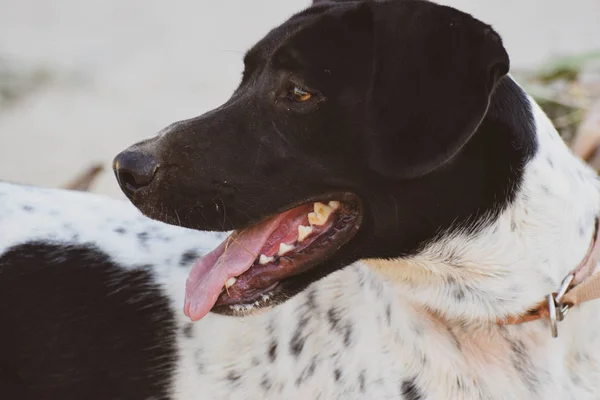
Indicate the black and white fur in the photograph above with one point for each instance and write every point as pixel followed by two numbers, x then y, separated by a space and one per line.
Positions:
pixel 91 298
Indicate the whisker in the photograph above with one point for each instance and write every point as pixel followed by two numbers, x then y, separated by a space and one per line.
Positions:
pixel 224 213
pixel 178 219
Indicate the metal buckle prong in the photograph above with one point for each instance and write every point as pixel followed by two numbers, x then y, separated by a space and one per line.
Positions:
pixel 556 308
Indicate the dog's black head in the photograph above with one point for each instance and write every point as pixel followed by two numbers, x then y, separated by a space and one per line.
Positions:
pixel 359 130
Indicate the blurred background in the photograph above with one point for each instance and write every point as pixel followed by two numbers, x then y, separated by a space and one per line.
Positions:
pixel 81 80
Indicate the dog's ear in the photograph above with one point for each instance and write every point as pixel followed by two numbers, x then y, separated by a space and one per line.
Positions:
pixel 434 71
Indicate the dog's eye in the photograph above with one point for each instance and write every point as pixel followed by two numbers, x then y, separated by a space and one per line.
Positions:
pixel 299 95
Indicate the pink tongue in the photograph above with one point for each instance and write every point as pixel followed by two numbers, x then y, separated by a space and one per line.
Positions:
pixel 209 274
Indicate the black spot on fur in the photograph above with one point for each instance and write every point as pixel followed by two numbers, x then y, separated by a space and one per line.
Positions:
pixel 297 342
pixel 334 318
pixel 307 372
pixel 336 325
pixel 521 361
pixel 255 362
pixel 199 361
pixel 452 259
pixel 266 383
pixel 273 351
pixel 410 391
pixel 337 374
pixel 143 238
pixel 513 225
pixel 188 330
pixel 233 377
pixel 28 208
pixel 388 314
pixel 120 230
pixel 188 257
pixel 348 335
pixel 376 286
pixel 550 163
pixel 92 330
pixel 299 336
pixel 271 327
pixel 459 293
pixel 311 300
pixel 545 189
pixel 362 380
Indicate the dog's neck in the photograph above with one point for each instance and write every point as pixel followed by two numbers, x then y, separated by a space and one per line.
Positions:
pixel 511 264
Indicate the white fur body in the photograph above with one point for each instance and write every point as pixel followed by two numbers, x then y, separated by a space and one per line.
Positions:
pixel 420 328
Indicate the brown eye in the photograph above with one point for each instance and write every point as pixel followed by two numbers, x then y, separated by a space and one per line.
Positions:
pixel 299 95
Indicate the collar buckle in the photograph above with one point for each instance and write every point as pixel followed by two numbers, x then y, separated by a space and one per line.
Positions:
pixel 556 308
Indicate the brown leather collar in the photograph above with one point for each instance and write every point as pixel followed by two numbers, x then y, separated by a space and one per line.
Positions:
pixel 579 286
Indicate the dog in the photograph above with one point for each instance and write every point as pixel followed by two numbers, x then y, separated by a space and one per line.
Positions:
pixel 362 219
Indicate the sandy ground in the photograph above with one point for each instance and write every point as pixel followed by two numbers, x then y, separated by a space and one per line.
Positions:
pixel 118 71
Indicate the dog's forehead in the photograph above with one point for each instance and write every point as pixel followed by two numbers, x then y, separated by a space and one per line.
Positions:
pixel 281 34
pixel 325 17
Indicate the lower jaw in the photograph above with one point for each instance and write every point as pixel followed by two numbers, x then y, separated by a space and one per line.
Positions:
pixel 268 298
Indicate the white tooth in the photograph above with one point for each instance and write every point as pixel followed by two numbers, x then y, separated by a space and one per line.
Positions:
pixel 323 210
pixel 334 204
pixel 303 232
pixel 230 282
pixel 264 259
pixel 320 215
pixel 315 219
pixel 285 248
pixel 319 207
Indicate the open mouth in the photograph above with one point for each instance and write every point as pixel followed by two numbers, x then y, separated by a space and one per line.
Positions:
pixel 248 268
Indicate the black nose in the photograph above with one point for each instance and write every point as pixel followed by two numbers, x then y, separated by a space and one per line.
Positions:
pixel 134 169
